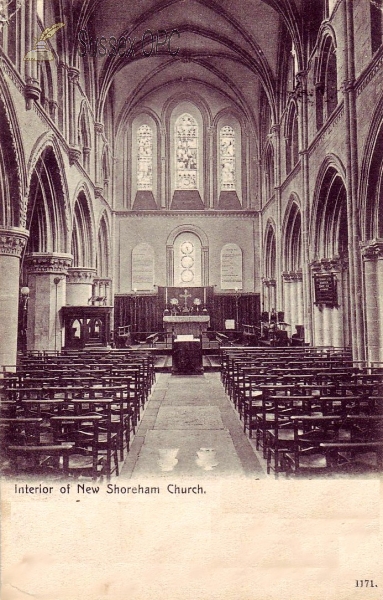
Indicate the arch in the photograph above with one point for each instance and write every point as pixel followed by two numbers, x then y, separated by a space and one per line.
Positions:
pixel 170 245
pixel 270 251
pixel 292 237
pixel 370 182
pixel 84 135
pixel 47 217
pixel 103 255
pixel 82 244
pixel 186 228
pixel 13 162
pixel 292 137
pixel 326 78
pixel 43 143
pixel 144 176
pixel 268 171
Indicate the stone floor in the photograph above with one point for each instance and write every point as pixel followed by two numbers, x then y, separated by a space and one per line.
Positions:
pixel 189 428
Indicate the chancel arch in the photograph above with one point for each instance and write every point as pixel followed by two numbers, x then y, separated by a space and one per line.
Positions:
pixel 330 267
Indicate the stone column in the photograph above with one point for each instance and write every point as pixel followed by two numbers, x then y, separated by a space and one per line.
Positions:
pixel 47 282
pixel 79 285
pixel 74 150
pixel 287 297
pixel 12 242
pixel 299 299
pixel 212 169
pixel 373 283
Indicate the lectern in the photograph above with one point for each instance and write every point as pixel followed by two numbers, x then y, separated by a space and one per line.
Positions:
pixel 187 355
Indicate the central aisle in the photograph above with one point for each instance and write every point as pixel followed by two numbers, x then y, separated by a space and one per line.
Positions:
pixel 189 428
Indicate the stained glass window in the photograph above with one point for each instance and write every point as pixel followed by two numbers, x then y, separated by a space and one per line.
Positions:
pixel 186 153
pixel 227 156
pixel 145 158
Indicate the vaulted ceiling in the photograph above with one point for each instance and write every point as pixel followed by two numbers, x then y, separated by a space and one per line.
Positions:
pixel 231 47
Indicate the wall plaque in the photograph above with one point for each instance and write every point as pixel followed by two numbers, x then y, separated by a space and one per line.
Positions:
pixel 143 267
pixel 325 289
pixel 231 267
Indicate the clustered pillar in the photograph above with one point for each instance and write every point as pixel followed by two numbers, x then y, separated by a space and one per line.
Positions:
pixel 12 243
pixel 373 281
pixel 47 282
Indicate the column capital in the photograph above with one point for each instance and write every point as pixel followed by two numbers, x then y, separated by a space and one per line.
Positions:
pixel 44 263
pixel 73 74
pixel 74 155
pixel 373 249
pixel 326 265
pixel 103 280
pixel 99 127
pixel 80 275
pixel 269 282
pixel 13 241
pixel 292 276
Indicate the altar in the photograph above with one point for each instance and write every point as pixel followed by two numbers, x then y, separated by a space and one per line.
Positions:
pixel 186 324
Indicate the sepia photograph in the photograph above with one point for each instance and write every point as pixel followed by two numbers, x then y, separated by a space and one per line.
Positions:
pixel 191 318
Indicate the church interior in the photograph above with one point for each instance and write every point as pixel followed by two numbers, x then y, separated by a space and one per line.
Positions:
pixel 191 237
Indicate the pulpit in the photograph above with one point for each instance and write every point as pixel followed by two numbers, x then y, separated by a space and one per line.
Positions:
pixel 187 355
pixel 86 326
pixel 186 324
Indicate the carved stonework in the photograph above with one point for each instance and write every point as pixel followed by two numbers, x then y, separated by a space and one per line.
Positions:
pixel 290 276
pixel 81 275
pixel 373 249
pixel 327 265
pixel 269 282
pixel 73 75
pixel 32 89
pixel 48 263
pixel 98 191
pixel 74 155
pixel 12 241
pixel 106 281
pixel 99 127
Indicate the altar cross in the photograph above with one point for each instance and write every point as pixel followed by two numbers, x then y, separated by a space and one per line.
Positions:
pixel 185 295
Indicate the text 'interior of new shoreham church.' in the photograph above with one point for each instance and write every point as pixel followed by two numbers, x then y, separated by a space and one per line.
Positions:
pixel 191 238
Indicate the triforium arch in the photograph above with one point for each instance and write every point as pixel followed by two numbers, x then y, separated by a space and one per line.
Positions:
pixel 102 280
pixel 292 266
pixel 170 255
pixel 330 250
pixel 82 272
pixel 371 226
pixel 269 268
pixel 103 255
pixel 83 238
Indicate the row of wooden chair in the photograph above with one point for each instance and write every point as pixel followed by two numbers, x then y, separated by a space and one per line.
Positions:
pixel 320 417
pixel 72 418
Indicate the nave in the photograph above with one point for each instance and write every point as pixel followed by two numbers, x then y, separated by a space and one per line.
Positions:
pixel 278 412
pixel 189 429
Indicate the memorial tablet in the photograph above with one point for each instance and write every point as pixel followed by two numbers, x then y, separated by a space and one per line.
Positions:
pixel 231 267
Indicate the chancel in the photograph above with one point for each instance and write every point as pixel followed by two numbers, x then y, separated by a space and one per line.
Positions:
pixel 205 211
